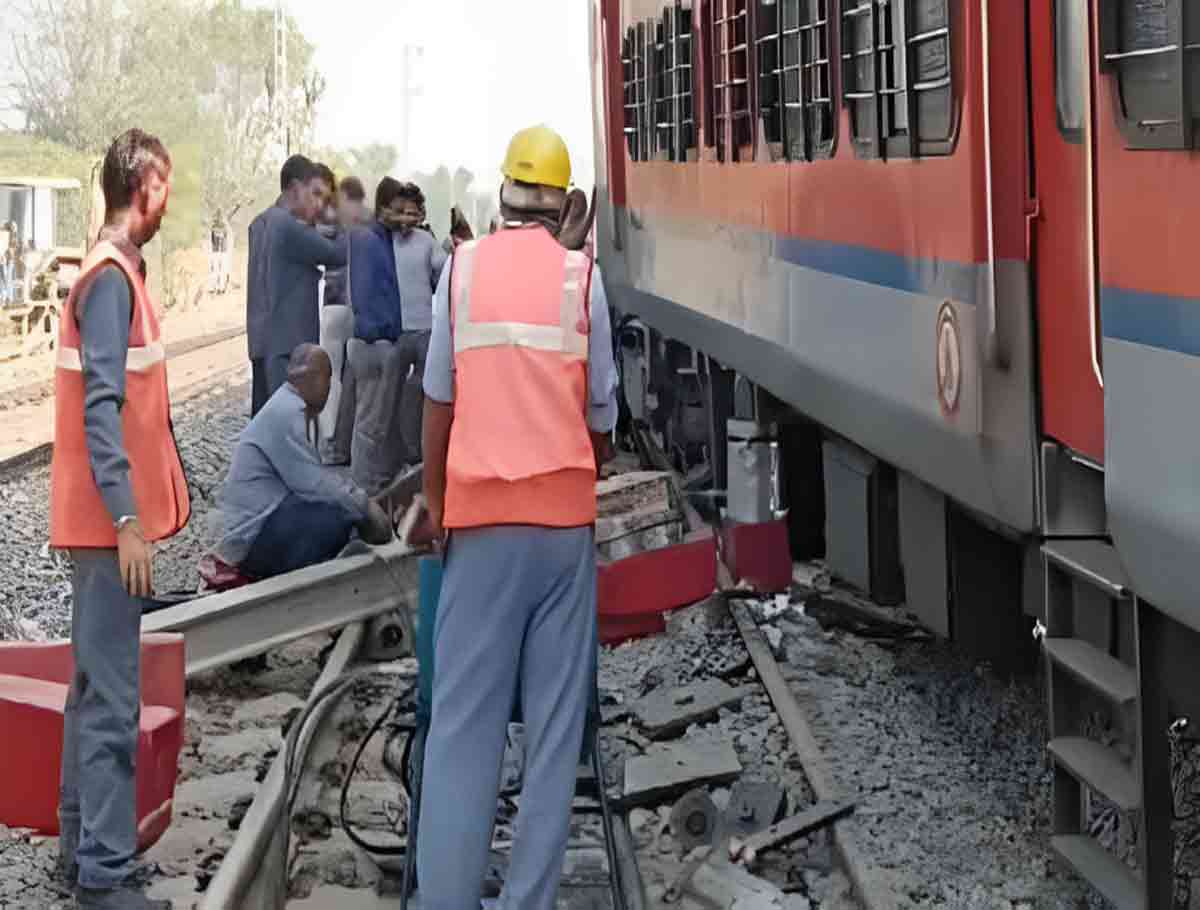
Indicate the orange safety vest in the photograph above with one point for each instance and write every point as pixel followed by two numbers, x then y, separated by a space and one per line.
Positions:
pixel 520 452
pixel 78 516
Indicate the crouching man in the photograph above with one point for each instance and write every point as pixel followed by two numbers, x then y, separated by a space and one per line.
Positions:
pixel 282 508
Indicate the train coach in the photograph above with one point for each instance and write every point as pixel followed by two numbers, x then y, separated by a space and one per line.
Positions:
pixel 941 247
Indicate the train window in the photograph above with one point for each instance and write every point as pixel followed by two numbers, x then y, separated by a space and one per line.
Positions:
pixel 819 118
pixel 1070 66
pixel 732 113
pixel 896 79
pixel 1153 46
pixel 706 83
pixel 770 74
pixel 663 103
pixel 795 94
pixel 679 110
pixel 631 65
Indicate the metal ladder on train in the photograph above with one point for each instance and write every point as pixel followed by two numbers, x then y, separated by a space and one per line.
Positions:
pixel 1095 711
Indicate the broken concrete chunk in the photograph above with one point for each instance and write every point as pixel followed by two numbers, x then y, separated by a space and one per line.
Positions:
pixel 623 535
pixel 724 884
pixel 665 714
pixel 635 491
pixel 667 770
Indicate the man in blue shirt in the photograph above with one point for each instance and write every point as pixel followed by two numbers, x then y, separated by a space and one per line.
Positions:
pixel 375 457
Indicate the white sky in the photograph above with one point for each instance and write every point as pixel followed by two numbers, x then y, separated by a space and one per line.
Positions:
pixel 490 67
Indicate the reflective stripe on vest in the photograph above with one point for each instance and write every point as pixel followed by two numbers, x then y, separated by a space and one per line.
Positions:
pixel 569 337
pixel 78 516
pixel 520 451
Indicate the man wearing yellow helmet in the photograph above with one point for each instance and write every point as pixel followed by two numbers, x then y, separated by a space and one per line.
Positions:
pixel 520 390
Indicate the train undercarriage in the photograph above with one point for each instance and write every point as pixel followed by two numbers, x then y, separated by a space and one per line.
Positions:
pixel 1116 671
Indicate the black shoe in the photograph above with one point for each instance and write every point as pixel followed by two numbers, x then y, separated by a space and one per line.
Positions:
pixel 126 897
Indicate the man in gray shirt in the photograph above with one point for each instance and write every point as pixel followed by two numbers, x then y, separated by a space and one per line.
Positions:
pixel 419 262
pixel 285 250
pixel 97 808
pixel 277 485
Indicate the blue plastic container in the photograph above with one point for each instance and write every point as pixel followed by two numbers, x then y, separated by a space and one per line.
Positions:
pixel 429 580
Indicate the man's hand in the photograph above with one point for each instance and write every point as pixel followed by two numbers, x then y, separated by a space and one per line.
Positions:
pixel 603 449
pixel 377 528
pixel 428 530
pixel 136 560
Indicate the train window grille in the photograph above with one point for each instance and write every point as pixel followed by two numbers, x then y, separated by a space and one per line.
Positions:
pixel 733 114
pixel 1153 49
pixel 770 70
pixel 646 89
pixel 630 64
pixel 896 76
pixel 662 57
pixel 795 76
pixel 677 119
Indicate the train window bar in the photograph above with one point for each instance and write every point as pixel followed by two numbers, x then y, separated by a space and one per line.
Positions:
pixel 664 101
pixel 896 76
pixel 860 57
pixel 679 85
pixel 1149 47
pixel 645 50
pixel 769 53
pixel 630 92
pixel 819 117
pixel 732 94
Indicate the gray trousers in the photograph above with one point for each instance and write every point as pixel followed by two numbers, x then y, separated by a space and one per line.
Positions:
pixel 516 618
pixel 388 407
pixel 97 805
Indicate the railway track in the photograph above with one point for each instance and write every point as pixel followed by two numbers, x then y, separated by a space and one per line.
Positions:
pixel 291 824
pixel 39 454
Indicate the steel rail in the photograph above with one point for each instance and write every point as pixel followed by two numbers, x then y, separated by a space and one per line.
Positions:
pixel 254 872
pixel 221 629
pixel 870 891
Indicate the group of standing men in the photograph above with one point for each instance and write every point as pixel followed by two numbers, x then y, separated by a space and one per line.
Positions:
pixel 380 271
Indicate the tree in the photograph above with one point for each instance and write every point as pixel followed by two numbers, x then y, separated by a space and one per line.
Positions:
pixel 199 73
pixel 86 70
pixel 239 105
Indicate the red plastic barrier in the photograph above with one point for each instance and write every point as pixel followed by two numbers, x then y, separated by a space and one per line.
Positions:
pixel 634 592
pixel 759 554
pixel 33 690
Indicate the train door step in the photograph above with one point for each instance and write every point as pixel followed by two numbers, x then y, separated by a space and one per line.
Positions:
pixel 1093 561
pixel 1095 668
pixel 1108 875
pixel 1093 696
pixel 1101 768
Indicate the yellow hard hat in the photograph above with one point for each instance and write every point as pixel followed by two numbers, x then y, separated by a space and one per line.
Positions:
pixel 538 155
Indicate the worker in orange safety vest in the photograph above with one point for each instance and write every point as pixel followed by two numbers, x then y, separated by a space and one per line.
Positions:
pixel 116 487
pixel 520 389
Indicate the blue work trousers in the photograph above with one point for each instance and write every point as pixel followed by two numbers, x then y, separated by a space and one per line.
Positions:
pixel 516 618
pixel 298 533
pixel 97 806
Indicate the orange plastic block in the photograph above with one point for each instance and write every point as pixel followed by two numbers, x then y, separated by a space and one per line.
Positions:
pixel 33 691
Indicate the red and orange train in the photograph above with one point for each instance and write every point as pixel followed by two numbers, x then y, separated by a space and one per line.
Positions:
pixel 953 234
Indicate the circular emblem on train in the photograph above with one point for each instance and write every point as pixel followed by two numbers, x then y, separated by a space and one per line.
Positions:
pixel 949 359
